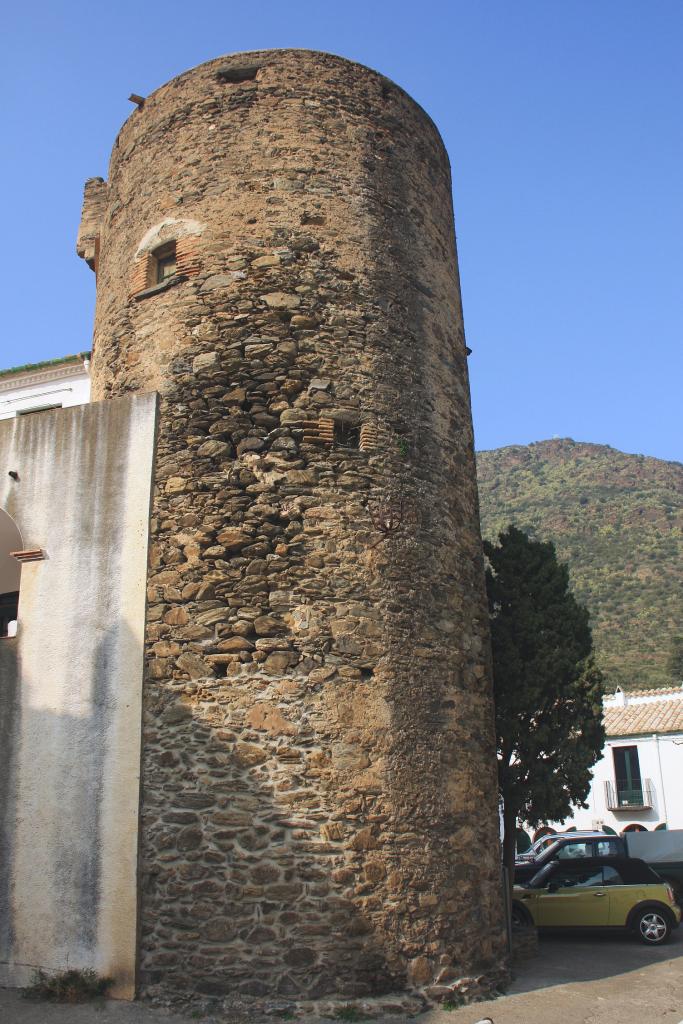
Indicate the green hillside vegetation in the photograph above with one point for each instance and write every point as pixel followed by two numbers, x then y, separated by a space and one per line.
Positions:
pixel 617 520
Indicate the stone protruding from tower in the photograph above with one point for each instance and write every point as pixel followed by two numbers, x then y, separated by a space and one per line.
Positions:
pixel 319 812
pixel 94 206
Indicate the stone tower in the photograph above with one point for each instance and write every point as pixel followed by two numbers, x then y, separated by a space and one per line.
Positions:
pixel 275 256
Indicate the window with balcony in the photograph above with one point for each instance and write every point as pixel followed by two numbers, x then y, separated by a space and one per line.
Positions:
pixel 627 775
pixel 629 790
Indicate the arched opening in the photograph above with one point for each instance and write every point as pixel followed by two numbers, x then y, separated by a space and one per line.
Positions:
pixel 168 254
pixel 608 830
pixel 662 827
pixel 635 828
pixel 10 574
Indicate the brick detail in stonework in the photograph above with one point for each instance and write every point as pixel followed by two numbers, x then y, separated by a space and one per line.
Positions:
pixel 368 436
pixel 187 256
pixel 141 275
pixel 320 431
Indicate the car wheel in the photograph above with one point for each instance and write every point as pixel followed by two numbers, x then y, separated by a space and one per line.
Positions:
pixel 652 927
pixel 519 917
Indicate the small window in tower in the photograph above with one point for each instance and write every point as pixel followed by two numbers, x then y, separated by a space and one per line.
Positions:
pixel 346 435
pixel 164 263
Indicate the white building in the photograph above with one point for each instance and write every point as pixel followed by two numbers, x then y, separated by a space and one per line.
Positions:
pixel 28 389
pixel 637 783
pixel 51 385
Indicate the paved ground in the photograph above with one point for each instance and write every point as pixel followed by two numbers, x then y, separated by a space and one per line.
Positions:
pixel 15 1010
pixel 588 980
pixel 610 980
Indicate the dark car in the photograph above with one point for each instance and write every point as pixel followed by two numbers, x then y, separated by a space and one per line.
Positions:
pixel 570 847
pixel 599 892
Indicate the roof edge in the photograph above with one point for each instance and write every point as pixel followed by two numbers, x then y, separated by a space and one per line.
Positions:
pixel 44 364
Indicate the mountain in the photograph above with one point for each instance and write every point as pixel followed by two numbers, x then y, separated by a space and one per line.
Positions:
pixel 617 520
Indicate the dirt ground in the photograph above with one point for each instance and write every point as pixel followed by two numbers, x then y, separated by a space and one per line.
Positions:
pixel 577 980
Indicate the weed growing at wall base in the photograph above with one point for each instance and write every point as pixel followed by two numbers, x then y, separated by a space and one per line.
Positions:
pixel 350 1013
pixel 451 1004
pixel 68 986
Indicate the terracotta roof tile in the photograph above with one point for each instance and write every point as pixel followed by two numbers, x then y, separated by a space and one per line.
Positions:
pixel 656 716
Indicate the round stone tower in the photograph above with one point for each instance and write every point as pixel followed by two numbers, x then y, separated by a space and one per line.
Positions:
pixel 276 257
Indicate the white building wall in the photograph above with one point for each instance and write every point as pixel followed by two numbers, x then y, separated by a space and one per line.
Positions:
pixel 671 755
pixel 71 689
pixel 62 386
pixel 661 762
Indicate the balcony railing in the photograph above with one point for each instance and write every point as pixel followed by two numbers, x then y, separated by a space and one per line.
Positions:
pixel 622 797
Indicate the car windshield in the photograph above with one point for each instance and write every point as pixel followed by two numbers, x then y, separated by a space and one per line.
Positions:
pixel 551 846
pixel 615 871
pixel 540 845
pixel 570 846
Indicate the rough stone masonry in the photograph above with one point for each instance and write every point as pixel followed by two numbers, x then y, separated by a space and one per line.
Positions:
pixel 275 255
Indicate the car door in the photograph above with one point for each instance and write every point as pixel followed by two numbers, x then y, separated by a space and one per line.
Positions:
pixel 575 897
pixel 624 895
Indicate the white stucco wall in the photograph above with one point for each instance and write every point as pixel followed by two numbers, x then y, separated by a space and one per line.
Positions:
pixel 661 761
pixel 64 386
pixel 70 689
pixel 660 758
pixel 671 755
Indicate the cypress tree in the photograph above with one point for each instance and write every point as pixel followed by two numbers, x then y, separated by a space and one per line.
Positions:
pixel 547 687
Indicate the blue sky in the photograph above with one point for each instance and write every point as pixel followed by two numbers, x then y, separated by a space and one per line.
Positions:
pixel 563 124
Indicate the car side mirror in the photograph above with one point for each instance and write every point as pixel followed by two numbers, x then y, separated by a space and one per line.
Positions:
pixel 553 886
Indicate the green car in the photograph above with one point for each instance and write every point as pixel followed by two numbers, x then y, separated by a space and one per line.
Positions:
pixel 599 892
